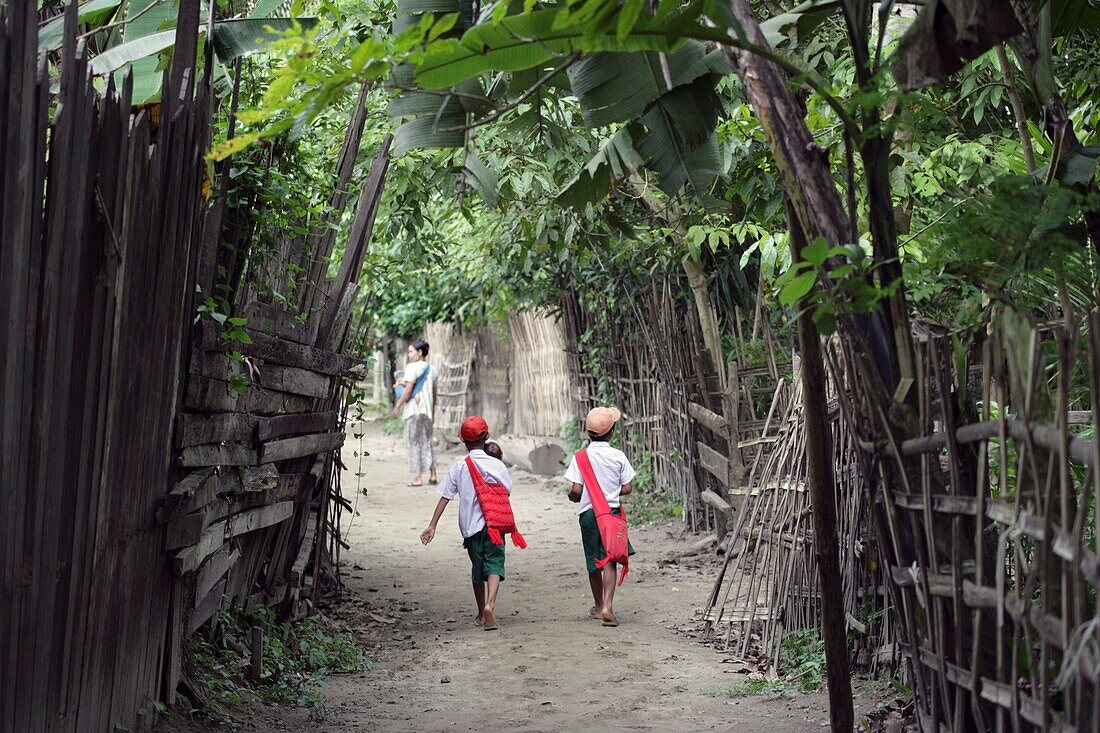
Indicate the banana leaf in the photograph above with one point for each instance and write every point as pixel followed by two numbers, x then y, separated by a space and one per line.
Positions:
pixel 51 35
pixel 680 144
pixel 803 19
pixel 615 87
pixel 483 179
pixel 507 46
pixel 242 36
pixel 232 38
pixel 430 132
pixel 617 159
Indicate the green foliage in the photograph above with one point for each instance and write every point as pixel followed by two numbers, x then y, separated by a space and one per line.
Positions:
pixel 801 668
pixel 297 656
pixel 1014 240
pixel 848 288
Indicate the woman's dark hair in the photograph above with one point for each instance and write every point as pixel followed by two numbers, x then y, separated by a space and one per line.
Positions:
pixel 421 346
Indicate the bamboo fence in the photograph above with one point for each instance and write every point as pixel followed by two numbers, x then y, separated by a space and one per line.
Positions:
pixel 768 584
pixel 648 362
pixel 987 524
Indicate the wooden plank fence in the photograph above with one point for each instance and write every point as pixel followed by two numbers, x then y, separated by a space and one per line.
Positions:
pixel 142 492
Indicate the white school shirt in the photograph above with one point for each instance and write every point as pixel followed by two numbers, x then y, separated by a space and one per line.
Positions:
pixel 421 404
pixel 459 483
pixel 612 469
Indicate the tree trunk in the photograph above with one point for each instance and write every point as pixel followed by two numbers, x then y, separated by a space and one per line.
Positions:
pixel 819 466
pixel 708 319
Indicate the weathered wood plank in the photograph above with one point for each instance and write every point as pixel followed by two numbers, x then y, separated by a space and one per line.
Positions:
pixel 215 568
pixel 710 420
pixel 296 487
pixel 306 445
pixel 229 427
pixel 288 353
pixel 269 428
pixel 229 454
pixel 206 607
pixel 714 463
pixel 212 395
pixel 289 379
pixel 712 499
pixel 187 560
pixel 276 321
pixel 294 380
pixel 184 531
pixel 259 478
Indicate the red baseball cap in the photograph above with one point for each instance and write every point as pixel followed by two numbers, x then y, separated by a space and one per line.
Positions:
pixel 473 428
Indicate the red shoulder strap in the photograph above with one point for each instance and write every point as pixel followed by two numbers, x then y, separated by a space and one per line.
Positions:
pixel 474 473
pixel 595 491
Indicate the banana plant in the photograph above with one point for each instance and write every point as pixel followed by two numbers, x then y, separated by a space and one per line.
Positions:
pixel 138 33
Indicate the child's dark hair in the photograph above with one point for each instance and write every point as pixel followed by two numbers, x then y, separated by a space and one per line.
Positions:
pixel 600 438
pixel 494 450
pixel 421 346
pixel 478 444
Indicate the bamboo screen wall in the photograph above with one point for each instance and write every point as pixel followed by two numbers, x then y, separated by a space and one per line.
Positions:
pixel 516 377
pixel 540 403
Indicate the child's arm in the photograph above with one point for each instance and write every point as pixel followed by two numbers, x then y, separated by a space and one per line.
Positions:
pixel 429 534
pixel 575 493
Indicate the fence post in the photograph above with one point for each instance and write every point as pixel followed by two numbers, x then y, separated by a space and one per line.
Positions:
pixel 731 407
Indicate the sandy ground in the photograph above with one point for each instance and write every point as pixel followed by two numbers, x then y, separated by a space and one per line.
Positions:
pixel 549 667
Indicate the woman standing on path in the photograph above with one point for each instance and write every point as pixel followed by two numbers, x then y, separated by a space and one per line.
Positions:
pixel 418 403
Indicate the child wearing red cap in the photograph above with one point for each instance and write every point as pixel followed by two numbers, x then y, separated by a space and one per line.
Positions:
pixel 486 558
pixel 615 475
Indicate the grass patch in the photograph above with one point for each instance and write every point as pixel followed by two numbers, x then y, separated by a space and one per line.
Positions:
pixel 297 656
pixel 801 669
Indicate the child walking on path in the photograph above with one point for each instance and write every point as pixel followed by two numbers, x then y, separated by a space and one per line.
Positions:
pixel 486 558
pixel 615 476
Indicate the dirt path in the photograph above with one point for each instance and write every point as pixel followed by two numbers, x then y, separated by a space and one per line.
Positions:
pixel 549 668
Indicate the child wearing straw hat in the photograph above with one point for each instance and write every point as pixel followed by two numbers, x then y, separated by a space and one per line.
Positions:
pixel 615 476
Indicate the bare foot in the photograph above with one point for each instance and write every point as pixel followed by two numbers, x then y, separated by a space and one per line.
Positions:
pixel 609 618
pixel 480 620
pixel 593 613
pixel 416 482
pixel 490 620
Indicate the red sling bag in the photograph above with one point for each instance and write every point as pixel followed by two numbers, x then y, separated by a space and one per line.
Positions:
pixel 496 507
pixel 613 528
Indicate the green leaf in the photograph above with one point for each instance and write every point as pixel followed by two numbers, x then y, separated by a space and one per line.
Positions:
pixel 797 288
pixel 242 36
pixel 430 132
pixel 269 8
pixel 528 40
pixel 615 160
pixel 232 38
pixel 482 179
pixel 126 53
pixel 628 16
pixel 803 19
pixel 615 87
pixel 679 142
pixel 816 252
pixel 51 35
